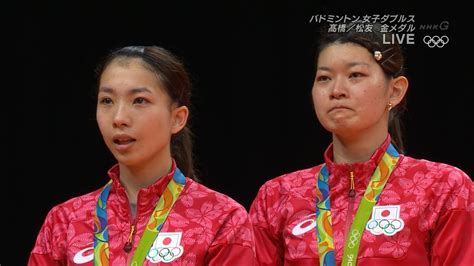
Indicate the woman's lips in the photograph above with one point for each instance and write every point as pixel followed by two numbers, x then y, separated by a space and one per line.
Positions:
pixel 123 142
pixel 338 108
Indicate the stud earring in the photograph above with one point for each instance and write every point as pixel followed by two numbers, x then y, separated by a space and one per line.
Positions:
pixel 389 106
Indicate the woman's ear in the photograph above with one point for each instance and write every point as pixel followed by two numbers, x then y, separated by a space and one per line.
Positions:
pixel 398 89
pixel 179 118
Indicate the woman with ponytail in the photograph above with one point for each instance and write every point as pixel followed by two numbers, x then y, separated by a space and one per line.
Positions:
pixel 152 210
pixel 368 203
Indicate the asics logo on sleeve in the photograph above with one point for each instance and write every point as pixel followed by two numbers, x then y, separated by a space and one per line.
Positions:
pixel 304 226
pixel 81 256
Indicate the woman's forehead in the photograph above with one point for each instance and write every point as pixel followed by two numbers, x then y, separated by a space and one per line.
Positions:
pixel 349 53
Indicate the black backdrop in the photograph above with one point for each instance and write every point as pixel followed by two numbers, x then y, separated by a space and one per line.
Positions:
pixel 252 68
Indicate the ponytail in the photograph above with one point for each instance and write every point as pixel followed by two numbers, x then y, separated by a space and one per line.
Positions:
pixel 181 151
pixel 395 125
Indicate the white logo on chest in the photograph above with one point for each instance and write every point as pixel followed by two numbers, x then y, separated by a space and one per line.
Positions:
pixel 81 258
pixel 385 220
pixel 166 248
pixel 304 226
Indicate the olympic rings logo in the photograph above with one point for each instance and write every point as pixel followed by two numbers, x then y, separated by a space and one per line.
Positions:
pixel 355 236
pixel 436 41
pixel 388 227
pixel 164 254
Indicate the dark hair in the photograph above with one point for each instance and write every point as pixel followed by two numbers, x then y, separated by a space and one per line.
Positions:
pixel 371 37
pixel 177 84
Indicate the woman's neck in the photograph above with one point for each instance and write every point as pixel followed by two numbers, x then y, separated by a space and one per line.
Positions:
pixel 356 149
pixel 134 178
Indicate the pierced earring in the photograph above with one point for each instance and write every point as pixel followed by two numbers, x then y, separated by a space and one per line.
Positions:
pixel 389 106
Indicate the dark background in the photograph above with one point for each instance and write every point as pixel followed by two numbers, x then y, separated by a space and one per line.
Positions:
pixel 252 67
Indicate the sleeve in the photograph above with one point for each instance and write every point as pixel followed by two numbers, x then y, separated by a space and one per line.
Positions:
pixel 234 243
pixel 453 241
pixel 50 244
pixel 267 241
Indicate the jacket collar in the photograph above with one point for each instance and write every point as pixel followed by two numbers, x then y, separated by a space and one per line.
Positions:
pixel 147 197
pixel 339 173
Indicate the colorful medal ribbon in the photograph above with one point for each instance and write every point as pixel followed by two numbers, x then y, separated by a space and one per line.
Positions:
pixel 323 211
pixel 157 219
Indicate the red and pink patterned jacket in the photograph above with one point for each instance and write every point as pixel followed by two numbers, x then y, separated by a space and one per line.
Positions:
pixel 428 208
pixel 203 228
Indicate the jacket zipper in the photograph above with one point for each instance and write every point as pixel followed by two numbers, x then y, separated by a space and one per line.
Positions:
pixel 352 188
pixel 350 207
pixel 128 245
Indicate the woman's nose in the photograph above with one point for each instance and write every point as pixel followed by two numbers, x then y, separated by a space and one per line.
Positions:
pixel 121 116
pixel 339 89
